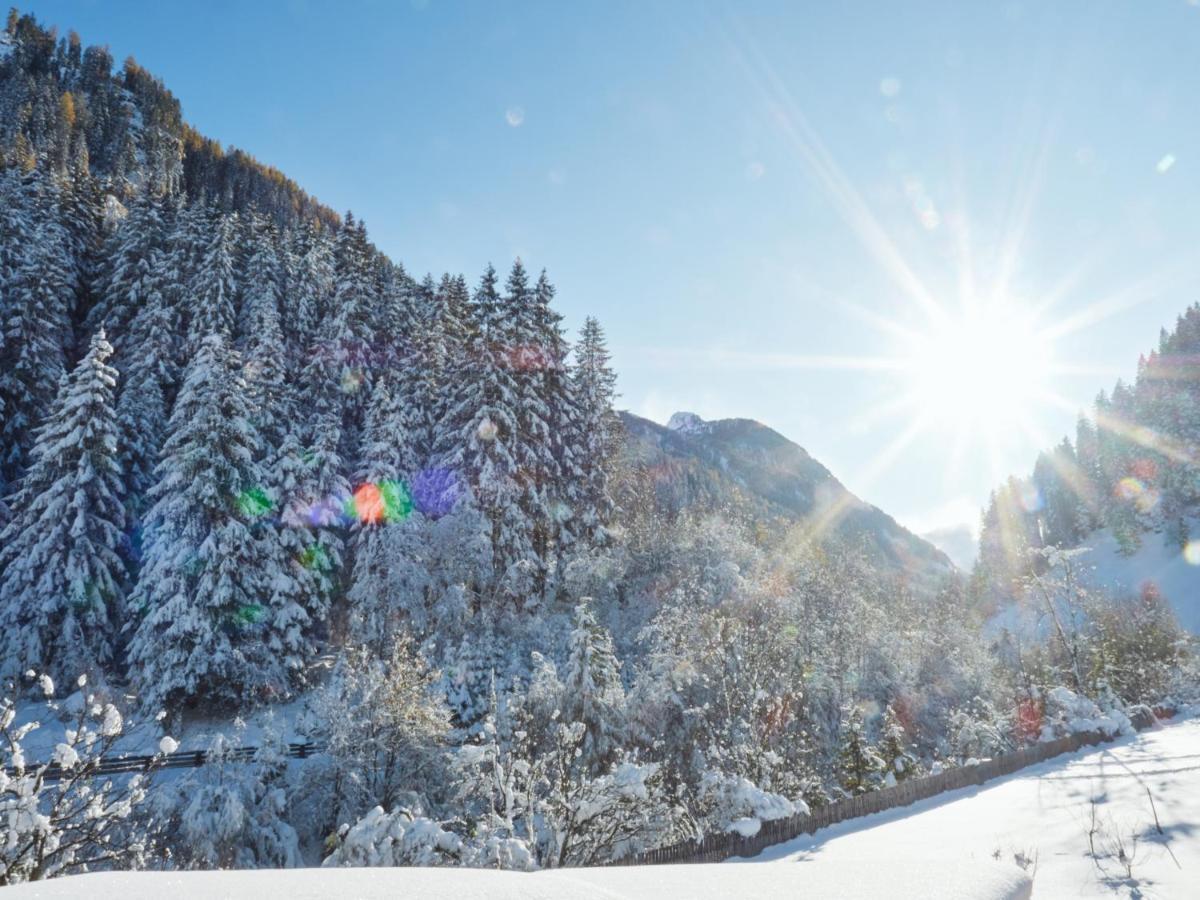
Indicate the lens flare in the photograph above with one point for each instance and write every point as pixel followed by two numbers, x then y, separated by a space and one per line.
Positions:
pixel 254 503
pixel 377 504
pixel 316 558
pixel 435 492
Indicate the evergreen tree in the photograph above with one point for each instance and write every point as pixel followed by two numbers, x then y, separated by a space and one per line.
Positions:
pixel 132 274
pixel 859 767
pixel 60 591
pixel 592 691
pixel 595 431
pixel 898 761
pixel 206 629
pixel 213 286
pixel 38 298
pixel 151 373
pixel 479 430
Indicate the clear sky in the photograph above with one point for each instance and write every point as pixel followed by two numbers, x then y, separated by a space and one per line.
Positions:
pixel 761 201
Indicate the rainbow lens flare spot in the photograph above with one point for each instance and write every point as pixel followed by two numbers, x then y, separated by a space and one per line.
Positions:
pixel 254 503
pixel 376 504
pixel 316 559
pixel 1191 553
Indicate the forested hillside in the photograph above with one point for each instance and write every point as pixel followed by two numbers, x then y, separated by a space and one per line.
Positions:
pixel 252 467
pixel 1132 469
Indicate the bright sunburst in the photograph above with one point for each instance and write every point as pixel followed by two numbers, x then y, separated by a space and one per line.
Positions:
pixel 986 367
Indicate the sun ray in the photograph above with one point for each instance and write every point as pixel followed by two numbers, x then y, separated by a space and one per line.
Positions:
pixel 803 138
pixel 1122 300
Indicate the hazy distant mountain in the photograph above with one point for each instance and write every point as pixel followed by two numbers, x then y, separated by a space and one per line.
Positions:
pixel 958 542
pixel 744 463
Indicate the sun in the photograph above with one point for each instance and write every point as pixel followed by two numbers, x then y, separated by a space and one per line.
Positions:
pixel 984 367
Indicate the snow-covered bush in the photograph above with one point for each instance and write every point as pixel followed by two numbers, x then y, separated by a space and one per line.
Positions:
pixel 1068 713
pixel 61 817
pixel 732 803
pixel 398 838
pixel 978 731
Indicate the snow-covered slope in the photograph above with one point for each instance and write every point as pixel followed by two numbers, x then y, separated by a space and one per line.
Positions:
pixel 1155 563
pixel 1046 812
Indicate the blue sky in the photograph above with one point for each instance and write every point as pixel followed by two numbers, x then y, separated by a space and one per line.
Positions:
pixel 750 196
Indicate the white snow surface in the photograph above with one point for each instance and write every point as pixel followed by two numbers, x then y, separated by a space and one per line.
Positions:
pixel 941 848
pixel 871 879
pixel 1156 562
pixel 1045 810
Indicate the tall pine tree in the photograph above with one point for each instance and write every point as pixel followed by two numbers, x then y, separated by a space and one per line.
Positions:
pixel 60 592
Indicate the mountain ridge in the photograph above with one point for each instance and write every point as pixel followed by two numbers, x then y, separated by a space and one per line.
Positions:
pixel 699 464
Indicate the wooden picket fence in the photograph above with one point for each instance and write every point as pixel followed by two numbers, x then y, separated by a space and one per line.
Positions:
pixel 722 846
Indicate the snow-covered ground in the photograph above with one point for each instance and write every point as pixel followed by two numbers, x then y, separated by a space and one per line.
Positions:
pixel 960 845
pixel 1045 812
pixel 885 878
pixel 1174 572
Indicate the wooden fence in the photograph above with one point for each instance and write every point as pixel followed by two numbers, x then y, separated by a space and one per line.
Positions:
pixel 184 759
pixel 721 846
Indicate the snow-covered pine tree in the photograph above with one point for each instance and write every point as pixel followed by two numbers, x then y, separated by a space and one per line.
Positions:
pixel 898 761
pixel 150 374
pixel 132 271
pixel 479 429
pixel 262 342
pixel 560 464
pixel 207 629
pixel 39 296
pixel 595 431
pixel 592 691
pixel 213 286
pixel 60 591
pixel 449 326
pixel 859 767
pixel 520 349
pixel 350 335
pixel 388 574
pixel 309 293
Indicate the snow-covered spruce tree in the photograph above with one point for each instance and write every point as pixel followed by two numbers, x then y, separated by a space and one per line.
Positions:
pixel 389 576
pixel 899 762
pixel 150 374
pixel 207 629
pixel 348 343
pixel 39 296
pixel 451 327
pixel 213 286
pixel 299 587
pixel 80 821
pixel 526 349
pixel 859 767
pixel 60 591
pixel 131 273
pixel 557 390
pixel 309 292
pixel 595 431
pixel 478 433
pixel 231 813
pixel 592 691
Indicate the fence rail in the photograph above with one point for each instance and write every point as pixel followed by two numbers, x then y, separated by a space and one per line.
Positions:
pixel 722 846
pixel 183 759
